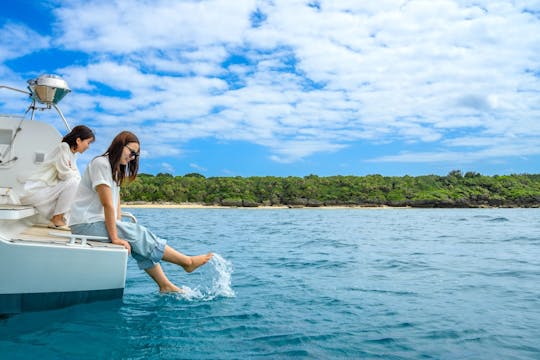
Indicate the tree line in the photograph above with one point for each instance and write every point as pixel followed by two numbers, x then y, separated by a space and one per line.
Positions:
pixel 453 190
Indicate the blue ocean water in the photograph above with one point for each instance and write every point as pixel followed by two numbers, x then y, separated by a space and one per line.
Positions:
pixel 317 284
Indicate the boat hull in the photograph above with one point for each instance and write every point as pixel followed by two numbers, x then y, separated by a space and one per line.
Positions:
pixel 42 276
pixel 18 303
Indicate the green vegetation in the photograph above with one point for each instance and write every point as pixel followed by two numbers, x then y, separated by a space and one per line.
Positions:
pixel 452 190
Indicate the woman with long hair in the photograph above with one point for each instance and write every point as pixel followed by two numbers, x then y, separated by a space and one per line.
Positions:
pixel 52 187
pixel 96 211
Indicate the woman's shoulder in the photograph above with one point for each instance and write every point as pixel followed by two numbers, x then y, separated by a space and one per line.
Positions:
pixel 101 160
pixel 60 149
pixel 64 146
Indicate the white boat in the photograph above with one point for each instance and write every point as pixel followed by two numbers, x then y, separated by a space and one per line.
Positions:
pixel 42 268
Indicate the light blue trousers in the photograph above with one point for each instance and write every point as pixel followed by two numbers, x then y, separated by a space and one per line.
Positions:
pixel 146 248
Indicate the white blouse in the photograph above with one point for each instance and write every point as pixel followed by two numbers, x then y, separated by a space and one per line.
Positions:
pixel 60 164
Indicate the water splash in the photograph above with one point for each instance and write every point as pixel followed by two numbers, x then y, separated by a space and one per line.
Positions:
pixel 220 271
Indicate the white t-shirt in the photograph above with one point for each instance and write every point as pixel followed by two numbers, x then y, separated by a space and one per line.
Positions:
pixel 87 208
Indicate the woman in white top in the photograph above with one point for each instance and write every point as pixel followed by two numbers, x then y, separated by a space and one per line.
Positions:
pixel 52 187
pixel 96 211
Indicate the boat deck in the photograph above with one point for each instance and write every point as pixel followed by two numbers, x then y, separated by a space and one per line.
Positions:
pixel 42 234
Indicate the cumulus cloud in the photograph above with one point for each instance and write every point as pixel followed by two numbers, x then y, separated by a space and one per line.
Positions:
pixel 123 27
pixel 303 77
pixel 16 41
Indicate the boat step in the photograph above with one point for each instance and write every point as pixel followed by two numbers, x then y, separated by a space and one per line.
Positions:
pixel 16 212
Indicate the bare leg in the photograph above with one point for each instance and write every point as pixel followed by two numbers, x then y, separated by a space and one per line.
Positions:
pixel 157 274
pixel 189 263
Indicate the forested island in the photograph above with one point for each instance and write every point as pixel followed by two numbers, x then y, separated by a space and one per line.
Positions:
pixel 453 190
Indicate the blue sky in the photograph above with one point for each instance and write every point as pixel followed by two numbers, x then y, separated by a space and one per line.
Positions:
pixel 287 87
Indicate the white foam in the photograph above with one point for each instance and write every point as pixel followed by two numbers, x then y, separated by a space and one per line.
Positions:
pixel 220 271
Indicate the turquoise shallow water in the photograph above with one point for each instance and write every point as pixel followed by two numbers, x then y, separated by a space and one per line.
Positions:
pixel 316 283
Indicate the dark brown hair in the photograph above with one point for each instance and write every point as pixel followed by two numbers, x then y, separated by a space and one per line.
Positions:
pixel 79 132
pixel 122 172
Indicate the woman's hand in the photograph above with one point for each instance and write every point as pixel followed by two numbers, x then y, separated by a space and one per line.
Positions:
pixel 124 243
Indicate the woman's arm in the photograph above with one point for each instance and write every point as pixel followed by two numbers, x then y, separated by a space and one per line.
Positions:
pixel 106 199
pixel 119 210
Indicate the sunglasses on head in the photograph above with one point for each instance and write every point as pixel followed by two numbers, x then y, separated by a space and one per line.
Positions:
pixel 132 153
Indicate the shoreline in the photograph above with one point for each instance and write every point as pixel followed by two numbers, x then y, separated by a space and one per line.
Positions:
pixel 150 205
pixel 166 205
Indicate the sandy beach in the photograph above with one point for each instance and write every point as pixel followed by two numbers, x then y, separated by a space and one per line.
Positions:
pixel 168 205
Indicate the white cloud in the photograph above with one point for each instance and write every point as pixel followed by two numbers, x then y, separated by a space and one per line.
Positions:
pixel 305 79
pixel 490 151
pixel 18 40
pixel 197 167
pixel 167 168
pixel 126 26
pixel 292 151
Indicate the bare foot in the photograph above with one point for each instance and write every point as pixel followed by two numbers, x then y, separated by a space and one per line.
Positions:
pixel 197 261
pixel 170 289
pixel 58 220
